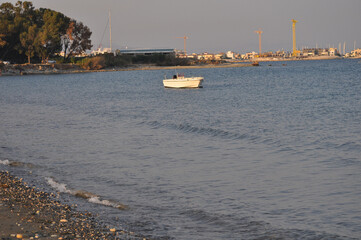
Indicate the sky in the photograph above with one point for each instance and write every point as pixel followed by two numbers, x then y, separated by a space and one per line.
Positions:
pixel 216 25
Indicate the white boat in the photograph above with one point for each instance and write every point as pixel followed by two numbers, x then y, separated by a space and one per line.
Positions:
pixel 179 81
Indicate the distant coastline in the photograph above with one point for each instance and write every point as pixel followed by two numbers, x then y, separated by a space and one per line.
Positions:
pixel 36 69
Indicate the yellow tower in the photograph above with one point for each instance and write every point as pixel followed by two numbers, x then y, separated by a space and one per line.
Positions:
pixel 294 53
pixel 260 41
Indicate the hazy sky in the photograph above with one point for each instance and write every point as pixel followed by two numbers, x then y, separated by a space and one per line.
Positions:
pixel 216 25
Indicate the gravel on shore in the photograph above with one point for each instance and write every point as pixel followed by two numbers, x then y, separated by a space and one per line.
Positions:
pixel 28 213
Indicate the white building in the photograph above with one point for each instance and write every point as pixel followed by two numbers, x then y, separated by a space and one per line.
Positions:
pixel 356 53
pixel 100 51
pixel 230 55
pixel 333 52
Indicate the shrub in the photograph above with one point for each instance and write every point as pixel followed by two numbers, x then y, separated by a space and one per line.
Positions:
pixel 94 63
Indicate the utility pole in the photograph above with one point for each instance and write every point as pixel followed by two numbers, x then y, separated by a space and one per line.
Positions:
pixel 294 53
pixel 260 40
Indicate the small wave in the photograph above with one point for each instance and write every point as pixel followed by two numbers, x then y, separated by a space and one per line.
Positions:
pixel 188 128
pixel 60 187
pixel 251 228
pixel 349 146
pixel 242 226
pixel 203 216
pixel 5 162
pixel 214 132
pixel 16 164
pixel 91 197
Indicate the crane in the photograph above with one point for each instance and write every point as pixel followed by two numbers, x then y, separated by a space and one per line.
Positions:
pixel 294 53
pixel 185 44
pixel 260 40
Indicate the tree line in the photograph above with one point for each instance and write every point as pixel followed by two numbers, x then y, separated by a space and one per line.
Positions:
pixel 27 33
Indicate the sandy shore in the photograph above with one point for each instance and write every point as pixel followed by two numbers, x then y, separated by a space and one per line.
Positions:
pixel 28 213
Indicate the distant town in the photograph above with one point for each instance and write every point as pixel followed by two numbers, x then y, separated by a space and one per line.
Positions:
pixel 229 56
pixel 306 53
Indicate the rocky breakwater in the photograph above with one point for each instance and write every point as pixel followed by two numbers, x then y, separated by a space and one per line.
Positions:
pixel 28 213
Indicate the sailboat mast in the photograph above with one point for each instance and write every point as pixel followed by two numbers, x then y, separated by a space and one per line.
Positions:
pixel 110 30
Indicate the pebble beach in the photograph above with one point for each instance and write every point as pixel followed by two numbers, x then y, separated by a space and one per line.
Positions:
pixel 28 213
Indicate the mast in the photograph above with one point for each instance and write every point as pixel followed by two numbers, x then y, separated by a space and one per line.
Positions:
pixel 110 30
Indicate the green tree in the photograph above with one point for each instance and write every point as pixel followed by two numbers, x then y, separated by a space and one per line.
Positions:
pixel 28 41
pixel 15 20
pixel 26 32
pixel 7 29
pixel 49 38
pixel 76 40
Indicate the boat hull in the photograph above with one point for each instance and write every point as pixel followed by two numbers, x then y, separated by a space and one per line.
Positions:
pixel 195 82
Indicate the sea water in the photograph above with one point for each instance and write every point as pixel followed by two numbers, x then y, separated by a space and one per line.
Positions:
pixel 260 152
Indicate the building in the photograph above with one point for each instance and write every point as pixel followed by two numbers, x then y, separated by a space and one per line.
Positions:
pixel 206 56
pixel 309 52
pixel 323 52
pixel 230 55
pixel 146 52
pixel 333 52
pixel 218 56
pixel 356 53
pixel 249 55
pixel 100 51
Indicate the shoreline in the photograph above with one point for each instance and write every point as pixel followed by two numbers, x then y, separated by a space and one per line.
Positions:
pixel 46 69
pixel 28 213
pixel 50 69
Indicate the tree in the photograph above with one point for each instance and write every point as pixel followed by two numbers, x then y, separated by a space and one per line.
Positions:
pixel 14 21
pixel 49 38
pixel 28 40
pixel 7 29
pixel 26 32
pixel 76 40
pixel 2 40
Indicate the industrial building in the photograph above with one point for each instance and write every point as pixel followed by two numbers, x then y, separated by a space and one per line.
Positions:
pixel 146 52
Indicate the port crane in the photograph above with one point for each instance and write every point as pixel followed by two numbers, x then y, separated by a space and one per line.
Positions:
pixel 259 32
pixel 294 53
pixel 185 44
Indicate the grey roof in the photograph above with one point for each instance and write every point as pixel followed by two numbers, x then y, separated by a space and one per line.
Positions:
pixel 139 51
